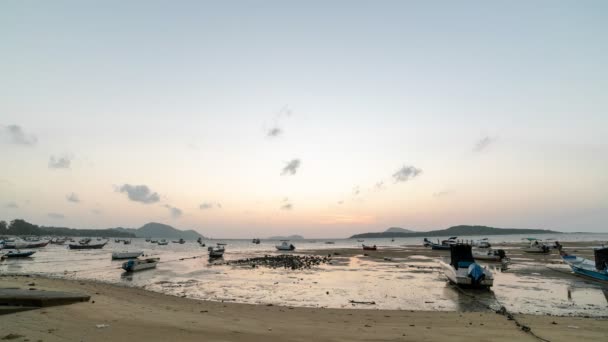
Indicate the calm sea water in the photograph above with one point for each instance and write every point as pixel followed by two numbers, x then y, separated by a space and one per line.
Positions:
pixel 409 283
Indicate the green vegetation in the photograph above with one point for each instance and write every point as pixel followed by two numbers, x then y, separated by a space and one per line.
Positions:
pixel 22 227
pixel 456 231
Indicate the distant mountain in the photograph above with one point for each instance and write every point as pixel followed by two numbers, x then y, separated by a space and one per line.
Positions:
pixel 290 237
pixel 159 230
pixel 398 230
pixel 456 231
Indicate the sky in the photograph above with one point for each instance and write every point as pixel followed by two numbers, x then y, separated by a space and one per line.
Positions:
pixel 319 118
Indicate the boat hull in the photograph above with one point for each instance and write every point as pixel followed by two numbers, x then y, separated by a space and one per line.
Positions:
pixel 19 254
pixel 461 278
pixel 126 255
pixel 97 246
pixel 137 265
pixel 585 268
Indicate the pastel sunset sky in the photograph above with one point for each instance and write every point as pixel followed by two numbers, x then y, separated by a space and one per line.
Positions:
pixel 321 118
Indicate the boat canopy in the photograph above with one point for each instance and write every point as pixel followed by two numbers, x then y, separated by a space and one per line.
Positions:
pixel 601 258
pixel 461 255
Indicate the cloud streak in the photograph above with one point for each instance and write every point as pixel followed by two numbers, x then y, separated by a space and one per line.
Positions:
pixel 139 193
pixel 175 212
pixel 483 144
pixel 17 136
pixel 274 132
pixel 60 162
pixel 209 205
pixel 406 173
pixel 291 168
pixel 56 216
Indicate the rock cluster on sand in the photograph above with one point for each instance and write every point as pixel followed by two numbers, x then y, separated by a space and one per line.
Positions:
pixel 295 262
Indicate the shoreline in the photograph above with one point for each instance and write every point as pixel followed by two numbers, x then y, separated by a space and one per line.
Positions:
pixel 136 314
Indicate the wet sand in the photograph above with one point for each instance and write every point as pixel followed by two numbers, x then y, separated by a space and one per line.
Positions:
pixel 133 314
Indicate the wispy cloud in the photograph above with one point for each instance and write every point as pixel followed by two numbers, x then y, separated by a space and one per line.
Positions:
pixel 483 144
pixel 72 198
pixel 60 162
pixel 286 204
pixel 209 205
pixel 96 211
pixel 406 173
pixel 274 132
pixel 16 135
pixel 291 168
pixel 175 212
pixel 356 190
pixel 139 193
pixel 11 205
pixel 442 193
pixel 379 185
pixel 56 216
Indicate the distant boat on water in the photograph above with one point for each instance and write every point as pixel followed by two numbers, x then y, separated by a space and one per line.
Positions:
pixel 597 270
pixel 126 254
pixel 285 246
pixel 256 241
pixel 163 242
pixel 140 264
pixel 86 244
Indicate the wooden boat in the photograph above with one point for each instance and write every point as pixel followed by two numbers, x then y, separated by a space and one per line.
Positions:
pixel 369 248
pixel 57 241
pixel 87 245
pixel 19 254
pixel 18 244
pixel 491 255
pixel 217 252
pixel 597 270
pixel 285 246
pixel 140 264
pixel 462 269
pixel 126 254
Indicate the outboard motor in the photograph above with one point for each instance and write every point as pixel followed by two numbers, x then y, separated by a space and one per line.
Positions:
pixel 501 253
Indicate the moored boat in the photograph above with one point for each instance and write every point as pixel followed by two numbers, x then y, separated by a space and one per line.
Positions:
pixel 87 245
pixel 462 269
pixel 163 242
pixel 491 255
pixel 19 244
pixel 217 252
pixel 597 270
pixel 256 241
pixel 19 254
pixel 285 246
pixel 482 243
pixel 126 254
pixel 536 246
pixel 369 248
pixel 140 264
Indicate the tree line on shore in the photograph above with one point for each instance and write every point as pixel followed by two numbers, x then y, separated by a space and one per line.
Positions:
pixel 22 227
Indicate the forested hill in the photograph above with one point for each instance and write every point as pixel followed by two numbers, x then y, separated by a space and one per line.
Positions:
pixel 457 231
pixel 22 227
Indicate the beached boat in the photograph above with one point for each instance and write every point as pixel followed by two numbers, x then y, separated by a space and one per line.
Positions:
pixel 217 252
pixel 482 243
pixel 445 244
pixel 285 246
pixel 126 242
pixel 462 269
pixel 427 243
pixel 256 241
pixel 536 246
pixel 57 241
pixel 597 270
pixel 153 241
pixel 180 241
pixel 148 239
pixel 19 254
pixel 22 244
pixel 87 245
pixel 329 242
pixel 360 240
pixel 491 255
pixel 369 248
pixel 163 242
pixel 140 264
pixel 126 254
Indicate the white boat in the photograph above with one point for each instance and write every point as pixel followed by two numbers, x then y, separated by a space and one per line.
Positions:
pixel 285 246
pixel 140 264
pixel 536 246
pixel 126 254
pixel 491 255
pixel 482 243
pixel 462 269
pixel 597 269
pixel 217 252
pixel 163 242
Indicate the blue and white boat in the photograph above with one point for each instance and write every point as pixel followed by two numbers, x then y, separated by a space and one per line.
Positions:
pixel 462 269
pixel 597 270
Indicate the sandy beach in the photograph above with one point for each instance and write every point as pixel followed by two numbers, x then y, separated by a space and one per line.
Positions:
pixel 117 313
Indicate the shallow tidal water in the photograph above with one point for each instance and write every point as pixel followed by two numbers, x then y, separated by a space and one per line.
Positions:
pixel 413 282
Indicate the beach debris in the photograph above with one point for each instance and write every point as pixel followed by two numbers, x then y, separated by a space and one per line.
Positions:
pixel 102 326
pixel 294 262
pixel 362 302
